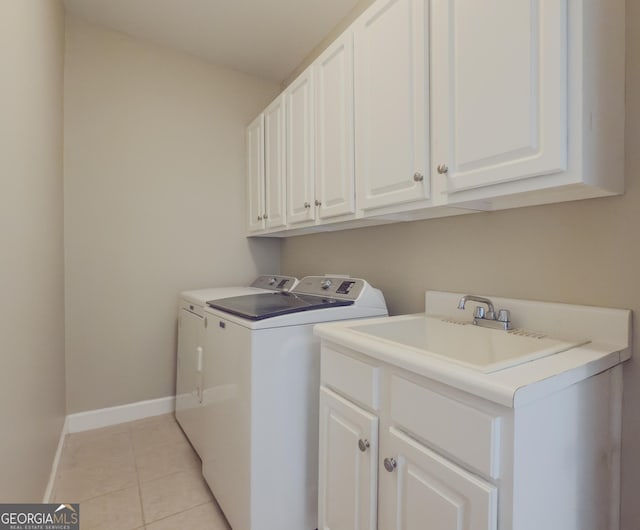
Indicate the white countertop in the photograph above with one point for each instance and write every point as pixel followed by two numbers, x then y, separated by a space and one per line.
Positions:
pixel 513 386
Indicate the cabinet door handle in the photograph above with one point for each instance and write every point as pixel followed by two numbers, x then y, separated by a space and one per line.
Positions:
pixel 259 218
pixel 318 203
pixel 418 177
pixel 265 216
pixel 307 205
pixel 363 445
pixel 390 464
pixel 442 169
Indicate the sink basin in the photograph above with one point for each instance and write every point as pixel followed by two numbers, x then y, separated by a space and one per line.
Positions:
pixel 483 349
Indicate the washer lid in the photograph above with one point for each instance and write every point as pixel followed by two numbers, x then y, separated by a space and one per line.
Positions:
pixel 267 305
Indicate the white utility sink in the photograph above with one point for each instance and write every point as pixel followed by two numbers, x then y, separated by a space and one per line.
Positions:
pixel 484 349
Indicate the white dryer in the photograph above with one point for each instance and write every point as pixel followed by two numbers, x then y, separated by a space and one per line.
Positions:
pixel 192 323
pixel 261 392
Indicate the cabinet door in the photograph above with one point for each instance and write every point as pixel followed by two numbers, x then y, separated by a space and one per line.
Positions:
pixel 335 171
pixel 424 490
pixel 255 174
pixel 189 376
pixel 391 92
pixel 499 90
pixel 274 157
pixel 300 149
pixel 347 474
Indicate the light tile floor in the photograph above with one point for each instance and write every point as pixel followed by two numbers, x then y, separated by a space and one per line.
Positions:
pixel 138 475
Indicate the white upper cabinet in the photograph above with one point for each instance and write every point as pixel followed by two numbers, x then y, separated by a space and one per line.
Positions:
pixel 300 149
pixel 429 108
pixel 335 177
pixel 391 94
pixel 499 90
pixel 274 159
pixel 255 174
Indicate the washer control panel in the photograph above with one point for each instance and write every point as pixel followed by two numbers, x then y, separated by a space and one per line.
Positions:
pixel 331 286
pixel 275 282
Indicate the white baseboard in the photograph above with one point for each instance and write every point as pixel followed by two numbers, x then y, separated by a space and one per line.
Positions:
pixel 54 467
pixel 95 419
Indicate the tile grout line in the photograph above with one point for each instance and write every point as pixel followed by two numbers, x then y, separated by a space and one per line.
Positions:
pixel 135 465
pixel 130 437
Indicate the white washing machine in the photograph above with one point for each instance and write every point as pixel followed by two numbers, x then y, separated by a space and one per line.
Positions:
pixel 192 323
pixel 261 391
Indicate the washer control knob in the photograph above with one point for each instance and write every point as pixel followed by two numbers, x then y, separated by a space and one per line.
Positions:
pixel 325 284
pixel 390 464
pixel 363 445
pixel 272 281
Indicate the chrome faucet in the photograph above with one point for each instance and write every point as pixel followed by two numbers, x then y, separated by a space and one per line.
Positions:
pixel 487 318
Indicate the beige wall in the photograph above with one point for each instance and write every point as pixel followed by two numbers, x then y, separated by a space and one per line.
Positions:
pixel 154 204
pixel 584 252
pixel 32 391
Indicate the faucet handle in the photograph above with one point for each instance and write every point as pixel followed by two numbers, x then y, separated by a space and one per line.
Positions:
pixel 478 312
pixel 504 315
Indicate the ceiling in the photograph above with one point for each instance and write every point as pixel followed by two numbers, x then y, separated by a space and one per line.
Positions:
pixel 266 38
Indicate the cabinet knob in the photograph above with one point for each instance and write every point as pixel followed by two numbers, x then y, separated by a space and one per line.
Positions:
pixel 363 445
pixel 307 205
pixel 442 169
pixel 390 464
pixel 418 177
pixel 265 216
pixel 259 218
pixel 318 203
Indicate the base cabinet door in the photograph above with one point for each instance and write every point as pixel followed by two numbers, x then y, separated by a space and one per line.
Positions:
pixel 348 465
pixel 421 489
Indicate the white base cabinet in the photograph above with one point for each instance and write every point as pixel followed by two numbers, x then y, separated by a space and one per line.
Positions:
pixel 429 489
pixel 400 451
pixel 348 487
